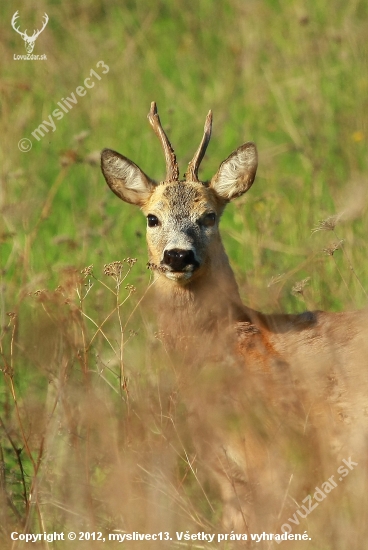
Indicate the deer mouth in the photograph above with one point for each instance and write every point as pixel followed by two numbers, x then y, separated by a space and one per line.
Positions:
pixel 179 275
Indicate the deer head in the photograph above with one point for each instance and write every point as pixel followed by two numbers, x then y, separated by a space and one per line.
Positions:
pixel 182 215
pixel 29 40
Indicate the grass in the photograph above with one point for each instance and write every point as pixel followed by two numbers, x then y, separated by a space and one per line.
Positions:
pixel 91 412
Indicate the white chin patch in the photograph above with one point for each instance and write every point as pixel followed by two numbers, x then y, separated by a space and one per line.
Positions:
pixel 178 275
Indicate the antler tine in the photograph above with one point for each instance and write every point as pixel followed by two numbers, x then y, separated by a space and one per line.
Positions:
pixel 46 18
pixel 172 169
pixel 193 166
pixel 36 33
pixel 13 22
pixel 15 17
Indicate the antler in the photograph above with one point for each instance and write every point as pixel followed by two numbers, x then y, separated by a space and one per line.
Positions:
pixel 172 169
pixel 14 18
pixel 24 34
pixel 37 33
pixel 193 166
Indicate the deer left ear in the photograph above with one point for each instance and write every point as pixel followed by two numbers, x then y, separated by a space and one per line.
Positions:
pixel 236 174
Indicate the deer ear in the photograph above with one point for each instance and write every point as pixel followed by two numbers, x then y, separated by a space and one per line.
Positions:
pixel 236 174
pixel 125 179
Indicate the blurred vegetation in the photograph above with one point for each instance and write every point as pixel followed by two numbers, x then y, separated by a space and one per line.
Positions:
pixel 290 76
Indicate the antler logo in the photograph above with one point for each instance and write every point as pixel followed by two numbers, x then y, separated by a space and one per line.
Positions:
pixel 29 40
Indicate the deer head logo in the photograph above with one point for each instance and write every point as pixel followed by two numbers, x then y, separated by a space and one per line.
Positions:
pixel 29 40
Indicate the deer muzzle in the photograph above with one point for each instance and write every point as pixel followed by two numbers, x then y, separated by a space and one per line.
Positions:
pixel 181 263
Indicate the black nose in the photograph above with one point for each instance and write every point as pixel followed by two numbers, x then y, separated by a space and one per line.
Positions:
pixel 178 259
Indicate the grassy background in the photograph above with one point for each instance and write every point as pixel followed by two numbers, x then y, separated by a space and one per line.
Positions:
pixel 291 76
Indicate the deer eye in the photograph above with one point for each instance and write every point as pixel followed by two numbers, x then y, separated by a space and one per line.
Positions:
pixel 152 220
pixel 208 220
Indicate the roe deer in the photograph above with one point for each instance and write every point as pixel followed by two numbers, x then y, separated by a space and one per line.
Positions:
pixel 309 370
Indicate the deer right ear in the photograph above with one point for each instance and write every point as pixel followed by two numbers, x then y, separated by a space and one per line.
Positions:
pixel 125 179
